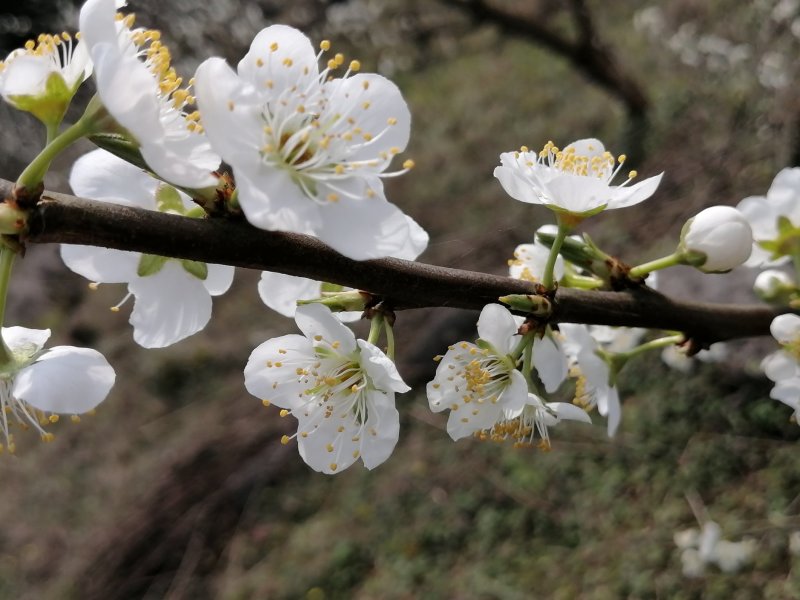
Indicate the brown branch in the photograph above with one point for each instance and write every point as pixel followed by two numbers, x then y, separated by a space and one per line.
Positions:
pixel 587 53
pixel 60 218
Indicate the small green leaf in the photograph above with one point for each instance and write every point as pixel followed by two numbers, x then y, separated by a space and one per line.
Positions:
pixel 168 199
pixel 150 264
pixel 196 268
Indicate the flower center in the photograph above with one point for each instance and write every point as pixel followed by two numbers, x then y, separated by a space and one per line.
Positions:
pixel 521 429
pixel 604 166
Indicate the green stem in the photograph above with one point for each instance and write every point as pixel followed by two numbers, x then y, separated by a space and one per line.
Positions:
pixel 653 345
pixel 6 262
pixel 549 267
pixel 527 362
pixel 34 173
pixel 389 341
pixel 523 343
pixel 52 131
pixel 582 282
pixel 676 258
pixel 375 326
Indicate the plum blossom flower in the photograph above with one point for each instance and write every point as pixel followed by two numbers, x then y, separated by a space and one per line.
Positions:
pixel 172 297
pixel 281 292
pixel 536 416
pixel 594 386
pixel 37 385
pixel 575 180
pixel 142 92
pixel 340 389
pixel 782 366
pixel 477 382
pixel 308 151
pixel 42 77
pixel 704 547
pixel 764 213
pixel 720 237
pixel 530 259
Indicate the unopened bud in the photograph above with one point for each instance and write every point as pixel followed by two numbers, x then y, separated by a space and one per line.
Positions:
pixel 716 240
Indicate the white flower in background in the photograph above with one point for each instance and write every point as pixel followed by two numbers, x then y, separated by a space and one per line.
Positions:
pixel 42 77
pixel 173 297
pixel 38 384
pixel 782 366
pixel 676 358
pixel 592 373
pixel 617 339
pixel 530 259
pixel 308 151
pixel 536 416
pixel 720 237
pixel 477 382
pixel 141 91
pixel 340 390
pixel 281 292
pixel 699 549
pixel 775 286
pixel 575 180
pixel 763 212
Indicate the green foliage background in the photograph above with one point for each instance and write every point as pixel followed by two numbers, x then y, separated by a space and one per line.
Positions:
pixel 179 488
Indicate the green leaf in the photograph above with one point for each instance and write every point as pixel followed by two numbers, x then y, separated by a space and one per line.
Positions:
pixel 168 199
pixel 150 264
pixel 196 268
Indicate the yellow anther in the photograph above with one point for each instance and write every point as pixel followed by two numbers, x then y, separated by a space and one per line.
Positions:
pixel 231 105
pixel 332 64
pixel 356 66
pixel 338 59
pixel 333 197
pixel 391 121
pixel 622 158
pixel 287 62
pixel 47 437
pixel 334 466
pixel 278 364
pixel 329 447
pixel 114 309
pixel 632 174
pixel 259 62
pixel 366 105
pixel 274 46
pixel 284 412
pixel 325 45
pixel 266 402
pixel 409 164
pixel 75 419
pixel 285 439
pixel 53 418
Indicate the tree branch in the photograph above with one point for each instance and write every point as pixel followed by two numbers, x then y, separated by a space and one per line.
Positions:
pixel 60 218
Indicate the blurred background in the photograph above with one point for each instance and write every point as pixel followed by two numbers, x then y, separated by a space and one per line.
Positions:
pixel 179 487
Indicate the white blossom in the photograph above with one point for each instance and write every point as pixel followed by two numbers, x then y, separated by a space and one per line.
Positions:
pixel 340 390
pixel 172 297
pixel 720 234
pixel 142 92
pixel 782 366
pixel 309 151
pixel 38 385
pixel 575 180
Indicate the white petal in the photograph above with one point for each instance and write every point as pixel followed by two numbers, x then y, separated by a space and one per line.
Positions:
pixel 634 194
pixel 364 229
pixel 550 362
pixel 281 55
pixel 382 429
pixel 779 366
pixel 315 450
pixel 100 175
pixel 185 159
pixel 281 292
pixel 570 412
pixel 102 265
pixel 25 75
pixel 271 371
pixel 515 185
pixel 515 396
pixel 416 242
pixel 65 380
pixel 608 405
pixel 381 369
pixel 472 417
pixel 271 200
pixel 219 279
pixel 21 340
pixel 170 306
pixel 496 325
pixel 316 320
pixel 785 328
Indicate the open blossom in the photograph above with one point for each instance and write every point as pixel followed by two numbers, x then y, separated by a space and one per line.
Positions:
pixel 172 297
pixel 340 389
pixel 141 91
pixel 477 382
pixel 593 387
pixel 720 236
pixel 308 151
pixel 575 180
pixel 39 385
pixel 530 259
pixel 536 416
pixel 763 213
pixel 281 292
pixel 783 366
pixel 42 77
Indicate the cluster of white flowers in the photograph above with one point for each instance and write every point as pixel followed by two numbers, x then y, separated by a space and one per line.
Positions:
pixel 309 152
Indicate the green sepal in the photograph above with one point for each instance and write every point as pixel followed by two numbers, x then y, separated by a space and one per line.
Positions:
pixel 168 199
pixel 532 304
pixel 121 146
pixel 51 105
pixel 195 268
pixel 331 288
pixel 150 264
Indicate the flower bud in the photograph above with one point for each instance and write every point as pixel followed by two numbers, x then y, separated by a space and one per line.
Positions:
pixel 716 240
pixel 775 287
